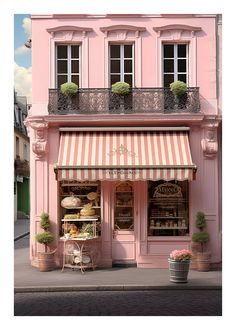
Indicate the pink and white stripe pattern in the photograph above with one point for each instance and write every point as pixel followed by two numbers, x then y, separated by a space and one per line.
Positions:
pixel 125 156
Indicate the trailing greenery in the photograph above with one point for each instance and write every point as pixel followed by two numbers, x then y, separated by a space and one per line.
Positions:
pixel 202 237
pixel 178 87
pixel 69 88
pixel 120 88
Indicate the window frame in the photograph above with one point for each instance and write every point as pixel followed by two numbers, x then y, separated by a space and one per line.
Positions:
pixel 68 59
pixel 122 59
pixel 176 58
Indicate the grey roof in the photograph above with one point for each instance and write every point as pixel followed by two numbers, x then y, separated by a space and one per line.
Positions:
pixel 20 112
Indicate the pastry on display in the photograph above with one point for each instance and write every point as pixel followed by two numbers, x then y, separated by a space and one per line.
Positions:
pixel 87 212
pixel 71 202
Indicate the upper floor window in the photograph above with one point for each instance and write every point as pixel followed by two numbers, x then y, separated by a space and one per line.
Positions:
pixel 122 63
pixel 67 64
pixel 175 63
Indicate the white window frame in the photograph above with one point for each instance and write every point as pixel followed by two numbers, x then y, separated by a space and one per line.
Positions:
pixel 177 33
pixel 122 58
pixel 176 73
pixel 68 59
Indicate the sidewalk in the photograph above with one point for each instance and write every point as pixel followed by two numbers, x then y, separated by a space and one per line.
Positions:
pixel 30 279
pixel 21 228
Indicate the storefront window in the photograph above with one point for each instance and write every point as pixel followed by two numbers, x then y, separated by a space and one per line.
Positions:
pixel 168 211
pixel 80 209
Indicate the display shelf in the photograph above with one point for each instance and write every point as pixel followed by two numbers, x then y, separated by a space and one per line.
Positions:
pixel 78 255
pixel 79 219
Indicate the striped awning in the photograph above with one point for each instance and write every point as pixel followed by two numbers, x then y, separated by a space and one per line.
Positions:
pixel 118 155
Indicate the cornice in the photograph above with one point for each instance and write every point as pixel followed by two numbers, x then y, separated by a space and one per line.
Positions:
pixel 70 28
pixel 181 27
pixel 122 27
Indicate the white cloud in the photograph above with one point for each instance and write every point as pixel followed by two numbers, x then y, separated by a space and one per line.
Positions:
pixel 22 50
pixel 23 81
pixel 27 25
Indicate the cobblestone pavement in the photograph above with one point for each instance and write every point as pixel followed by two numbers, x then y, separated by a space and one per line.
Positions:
pixel 132 303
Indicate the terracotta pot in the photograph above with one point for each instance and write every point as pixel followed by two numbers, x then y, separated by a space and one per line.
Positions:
pixel 46 261
pixel 203 261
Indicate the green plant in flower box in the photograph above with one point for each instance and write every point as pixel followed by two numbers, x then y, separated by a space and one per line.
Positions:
pixel 120 88
pixel 178 87
pixel 69 88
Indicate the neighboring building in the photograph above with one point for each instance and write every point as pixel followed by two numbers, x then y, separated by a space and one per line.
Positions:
pixel 21 157
pixel 152 160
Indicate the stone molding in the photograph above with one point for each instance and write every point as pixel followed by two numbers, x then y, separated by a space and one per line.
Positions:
pixel 39 143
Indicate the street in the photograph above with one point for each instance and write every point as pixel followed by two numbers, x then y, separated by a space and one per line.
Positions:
pixel 120 303
pixel 117 303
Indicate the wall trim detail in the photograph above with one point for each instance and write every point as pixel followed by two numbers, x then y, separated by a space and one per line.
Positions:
pixel 67 28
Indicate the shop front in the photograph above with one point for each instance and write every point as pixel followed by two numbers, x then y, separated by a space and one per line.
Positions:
pixel 130 189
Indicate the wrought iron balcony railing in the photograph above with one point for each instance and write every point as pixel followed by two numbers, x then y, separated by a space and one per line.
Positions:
pixel 138 101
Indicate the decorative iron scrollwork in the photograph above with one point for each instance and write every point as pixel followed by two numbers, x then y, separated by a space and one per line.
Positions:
pixel 139 100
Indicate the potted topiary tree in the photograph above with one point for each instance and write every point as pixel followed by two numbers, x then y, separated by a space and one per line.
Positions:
pixel 120 88
pixel 121 98
pixel 46 258
pixel 202 238
pixel 69 90
pixel 179 89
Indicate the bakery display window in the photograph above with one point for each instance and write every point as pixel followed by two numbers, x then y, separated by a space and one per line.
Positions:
pixel 80 210
pixel 168 208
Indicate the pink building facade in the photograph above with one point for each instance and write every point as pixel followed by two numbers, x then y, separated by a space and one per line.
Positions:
pixel 153 161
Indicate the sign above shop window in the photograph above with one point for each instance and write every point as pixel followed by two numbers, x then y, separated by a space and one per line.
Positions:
pixel 167 190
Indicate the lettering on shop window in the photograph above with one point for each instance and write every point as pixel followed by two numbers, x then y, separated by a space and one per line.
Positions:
pixel 167 190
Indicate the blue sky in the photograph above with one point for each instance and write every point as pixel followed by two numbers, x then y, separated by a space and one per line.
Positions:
pixel 20 37
pixel 22 56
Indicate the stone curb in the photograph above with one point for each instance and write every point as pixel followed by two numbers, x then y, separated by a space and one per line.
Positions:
pixel 115 288
pixel 21 236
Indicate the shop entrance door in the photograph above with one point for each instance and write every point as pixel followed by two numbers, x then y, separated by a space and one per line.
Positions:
pixel 123 238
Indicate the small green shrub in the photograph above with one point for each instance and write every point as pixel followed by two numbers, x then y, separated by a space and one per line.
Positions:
pixel 44 222
pixel 45 238
pixel 202 237
pixel 178 87
pixel 69 88
pixel 120 88
pixel 200 220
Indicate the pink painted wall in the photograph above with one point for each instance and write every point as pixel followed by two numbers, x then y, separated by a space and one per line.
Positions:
pixel 203 192
pixel 204 66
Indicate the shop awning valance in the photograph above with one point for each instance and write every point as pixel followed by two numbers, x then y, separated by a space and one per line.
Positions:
pixel 125 156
